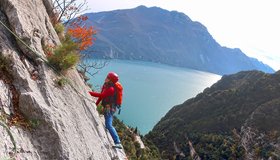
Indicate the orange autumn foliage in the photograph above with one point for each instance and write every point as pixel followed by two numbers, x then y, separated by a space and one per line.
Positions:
pixel 81 34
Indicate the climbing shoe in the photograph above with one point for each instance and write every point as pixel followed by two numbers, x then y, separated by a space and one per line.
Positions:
pixel 119 146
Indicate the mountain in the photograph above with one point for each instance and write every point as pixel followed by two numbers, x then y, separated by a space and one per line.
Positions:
pixel 157 35
pixel 236 118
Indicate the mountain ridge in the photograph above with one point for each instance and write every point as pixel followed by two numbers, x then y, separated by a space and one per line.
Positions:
pixel 240 109
pixel 169 37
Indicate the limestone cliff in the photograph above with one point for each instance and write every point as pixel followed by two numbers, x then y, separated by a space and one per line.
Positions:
pixel 67 124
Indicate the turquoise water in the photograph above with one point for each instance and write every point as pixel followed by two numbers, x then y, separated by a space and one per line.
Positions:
pixel 151 89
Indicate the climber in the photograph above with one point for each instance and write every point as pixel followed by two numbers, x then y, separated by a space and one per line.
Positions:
pixel 107 98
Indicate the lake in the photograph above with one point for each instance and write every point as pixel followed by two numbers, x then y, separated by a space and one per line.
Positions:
pixel 152 89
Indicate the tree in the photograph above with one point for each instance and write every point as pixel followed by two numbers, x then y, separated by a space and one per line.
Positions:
pixel 81 34
pixel 66 10
pixel 136 131
pixel 69 13
pixel 89 65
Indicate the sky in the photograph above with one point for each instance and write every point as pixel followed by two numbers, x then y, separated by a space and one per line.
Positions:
pixel 251 25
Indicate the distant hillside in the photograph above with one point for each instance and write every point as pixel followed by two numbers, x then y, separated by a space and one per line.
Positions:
pixel 157 35
pixel 236 118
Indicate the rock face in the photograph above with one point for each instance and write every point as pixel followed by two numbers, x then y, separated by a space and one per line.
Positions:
pixel 67 125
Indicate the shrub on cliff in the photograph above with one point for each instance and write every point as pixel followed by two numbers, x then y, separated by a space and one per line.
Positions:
pixel 65 56
pixel 74 35
pixel 4 64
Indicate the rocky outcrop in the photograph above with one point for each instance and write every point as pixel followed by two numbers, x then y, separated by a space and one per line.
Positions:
pixel 65 122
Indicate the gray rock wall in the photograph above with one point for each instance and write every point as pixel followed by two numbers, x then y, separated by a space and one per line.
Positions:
pixel 67 125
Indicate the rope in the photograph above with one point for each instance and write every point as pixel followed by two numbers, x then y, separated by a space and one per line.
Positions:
pixel 11 136
pixel 42 58
pixel 22 41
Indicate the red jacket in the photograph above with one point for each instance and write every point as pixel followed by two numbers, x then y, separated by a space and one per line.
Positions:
pixel 106 91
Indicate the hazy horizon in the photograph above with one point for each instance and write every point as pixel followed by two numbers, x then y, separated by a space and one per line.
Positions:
pixel 249 25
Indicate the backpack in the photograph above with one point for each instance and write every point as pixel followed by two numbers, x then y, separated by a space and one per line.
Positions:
pixel 118 94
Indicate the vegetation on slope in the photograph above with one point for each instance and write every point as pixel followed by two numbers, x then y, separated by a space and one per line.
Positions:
pixel 132 146
pixel 213 120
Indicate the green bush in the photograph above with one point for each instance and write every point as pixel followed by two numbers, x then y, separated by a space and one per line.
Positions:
pixel 65 56
pixel 5 64
pixel 132 147
pixel 59 28
pixel 34 123
pixel 62 81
